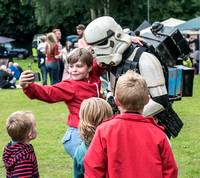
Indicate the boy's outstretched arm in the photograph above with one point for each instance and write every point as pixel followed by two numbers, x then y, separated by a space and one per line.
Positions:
pixel 48 93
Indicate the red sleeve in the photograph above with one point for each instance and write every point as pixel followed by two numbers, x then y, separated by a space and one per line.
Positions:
pixel 169 167
pixel 95 160
pixel 56 49
pixel 51 93
pixel 97 69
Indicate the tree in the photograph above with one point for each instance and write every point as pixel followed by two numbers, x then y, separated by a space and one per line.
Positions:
pixel 21 19
pixel 17 21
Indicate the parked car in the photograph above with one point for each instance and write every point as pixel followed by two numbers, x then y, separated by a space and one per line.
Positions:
pixel 20 53
pixel 71 38
pixel 4 53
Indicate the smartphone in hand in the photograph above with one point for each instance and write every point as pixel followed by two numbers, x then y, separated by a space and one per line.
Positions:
pixel 36 77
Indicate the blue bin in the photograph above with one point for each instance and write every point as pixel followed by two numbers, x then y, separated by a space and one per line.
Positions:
pixel 174 81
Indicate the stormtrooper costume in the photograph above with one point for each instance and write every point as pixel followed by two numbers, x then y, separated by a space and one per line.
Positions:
pixel 113 48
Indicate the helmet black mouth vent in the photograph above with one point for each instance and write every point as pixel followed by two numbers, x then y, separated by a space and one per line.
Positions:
pixel 102 54
pixel 110 33
pixel 103 43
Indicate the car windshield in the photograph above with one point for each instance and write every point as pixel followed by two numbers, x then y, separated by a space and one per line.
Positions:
pixel 9 46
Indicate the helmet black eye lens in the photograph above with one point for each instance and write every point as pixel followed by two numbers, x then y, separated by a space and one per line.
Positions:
pixel 103 43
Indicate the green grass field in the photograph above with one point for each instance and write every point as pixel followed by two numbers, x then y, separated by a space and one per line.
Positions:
pixel 51 125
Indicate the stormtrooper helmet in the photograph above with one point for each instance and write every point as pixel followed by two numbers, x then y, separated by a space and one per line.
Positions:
pixel 107 39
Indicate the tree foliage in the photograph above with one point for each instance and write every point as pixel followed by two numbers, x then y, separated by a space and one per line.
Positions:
pixel 17 20
pixel 21 19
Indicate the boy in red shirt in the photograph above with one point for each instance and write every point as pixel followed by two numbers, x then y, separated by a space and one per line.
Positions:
pixel 129 144
pixel 84 83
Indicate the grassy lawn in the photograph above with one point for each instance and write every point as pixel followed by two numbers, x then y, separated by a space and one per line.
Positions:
pixel 51 125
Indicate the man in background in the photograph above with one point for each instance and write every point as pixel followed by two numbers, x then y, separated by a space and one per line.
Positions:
pixel 57 33
pixel 80 29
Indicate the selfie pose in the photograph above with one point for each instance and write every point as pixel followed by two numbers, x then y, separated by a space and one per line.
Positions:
pixel 84 83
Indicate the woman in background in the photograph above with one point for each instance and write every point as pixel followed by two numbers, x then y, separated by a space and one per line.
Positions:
pixel 52 60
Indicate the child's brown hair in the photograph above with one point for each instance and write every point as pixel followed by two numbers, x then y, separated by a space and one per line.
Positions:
pixel 80 27
pixel 19 124
pixel 92 113
pixel 81 54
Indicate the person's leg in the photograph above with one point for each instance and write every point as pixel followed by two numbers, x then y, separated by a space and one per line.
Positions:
pixel 71 141
pixel 9 85
pixel 49 68
pixel 44 74
pixel 13 81
pixel 55 72
pixel 61 63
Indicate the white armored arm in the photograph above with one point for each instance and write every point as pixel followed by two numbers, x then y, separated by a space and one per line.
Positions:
pixel 151 69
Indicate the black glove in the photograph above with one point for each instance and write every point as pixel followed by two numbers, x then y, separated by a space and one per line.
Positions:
pixel 170 120
pixel 112 103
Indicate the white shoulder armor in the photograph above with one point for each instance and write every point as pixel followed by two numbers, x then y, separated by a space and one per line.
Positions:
pixel 150 68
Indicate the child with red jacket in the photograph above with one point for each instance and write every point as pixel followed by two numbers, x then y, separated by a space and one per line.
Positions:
pixel 129 144
pixel 84 83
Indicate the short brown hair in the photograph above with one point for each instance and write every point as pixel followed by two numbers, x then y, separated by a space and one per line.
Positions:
pixel 55 30
pixel 92 113
pixel 80 27
pixel 43 38
pixel 19 124
pixel 81 54
pixel 131 91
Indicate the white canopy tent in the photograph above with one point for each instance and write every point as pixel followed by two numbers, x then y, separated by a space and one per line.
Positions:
pixel 5 39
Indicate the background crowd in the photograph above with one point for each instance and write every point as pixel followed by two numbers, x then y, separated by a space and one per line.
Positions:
pixel 193 61
pixel 53 55
pixel 52 59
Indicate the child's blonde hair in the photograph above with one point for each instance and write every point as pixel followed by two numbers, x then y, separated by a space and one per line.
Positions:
pixel 19 124
pixel 81 54
pixel 50 38
pixel 43 38
pixel 131 91
pixel 92 113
